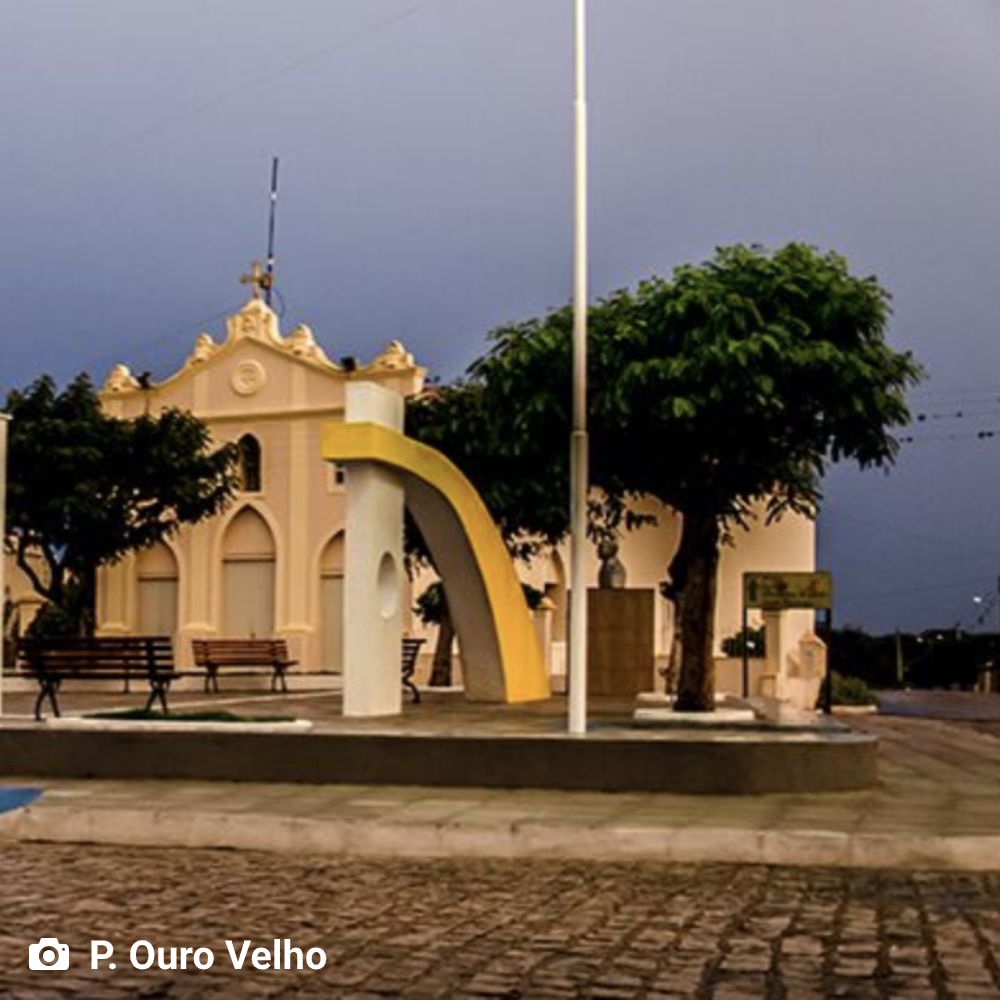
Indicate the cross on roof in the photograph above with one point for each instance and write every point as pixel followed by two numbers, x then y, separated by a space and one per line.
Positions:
pixel 257 278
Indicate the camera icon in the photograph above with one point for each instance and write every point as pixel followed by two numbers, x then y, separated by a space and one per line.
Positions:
pixel 49 955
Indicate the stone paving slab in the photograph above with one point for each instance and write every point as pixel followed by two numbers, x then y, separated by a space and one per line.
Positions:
pixel 501 929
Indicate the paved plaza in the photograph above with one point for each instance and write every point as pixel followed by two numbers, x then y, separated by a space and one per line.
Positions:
pixel 936 805
pixel 501 928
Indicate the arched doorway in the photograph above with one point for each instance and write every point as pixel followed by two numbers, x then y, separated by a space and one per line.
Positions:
pixel 156 569
pixel 248 557
pixel 331 604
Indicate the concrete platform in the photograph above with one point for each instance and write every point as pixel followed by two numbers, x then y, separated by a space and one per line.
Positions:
pixel 446 742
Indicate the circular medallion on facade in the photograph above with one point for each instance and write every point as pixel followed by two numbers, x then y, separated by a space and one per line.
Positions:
pixel 248 377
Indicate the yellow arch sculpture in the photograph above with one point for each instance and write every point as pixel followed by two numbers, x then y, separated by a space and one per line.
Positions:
pixel 502 656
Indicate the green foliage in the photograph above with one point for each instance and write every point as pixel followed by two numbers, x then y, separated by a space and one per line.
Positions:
pixel 430 605
pixel 936 658
pixel 855 653
pixel 732 645
pixel 51 621
pixel 736 381
pixel 85 488
pixel 849 690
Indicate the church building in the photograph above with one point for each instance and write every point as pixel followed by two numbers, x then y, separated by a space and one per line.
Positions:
pixel 272 564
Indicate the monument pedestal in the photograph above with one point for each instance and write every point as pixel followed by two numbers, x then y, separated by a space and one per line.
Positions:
pixel 620 640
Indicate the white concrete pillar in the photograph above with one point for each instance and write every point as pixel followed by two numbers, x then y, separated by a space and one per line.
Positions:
pixel 373 566
pixel 3 520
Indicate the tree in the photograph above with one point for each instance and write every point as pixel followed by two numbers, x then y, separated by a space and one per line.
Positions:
pixel 730 386
pixel 85 488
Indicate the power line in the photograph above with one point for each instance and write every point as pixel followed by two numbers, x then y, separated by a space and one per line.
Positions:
pixel 103 361
pixel 984 434
pixel 252 83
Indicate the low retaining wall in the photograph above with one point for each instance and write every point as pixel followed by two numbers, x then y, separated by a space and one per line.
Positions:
pixel 752 763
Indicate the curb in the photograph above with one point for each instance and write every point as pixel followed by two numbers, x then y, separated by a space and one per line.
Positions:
pixel 377 838
pixel 86 724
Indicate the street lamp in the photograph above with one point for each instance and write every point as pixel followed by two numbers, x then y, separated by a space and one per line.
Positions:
pixel 578 468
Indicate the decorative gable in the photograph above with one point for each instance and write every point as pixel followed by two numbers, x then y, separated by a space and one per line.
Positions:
pixel 243 365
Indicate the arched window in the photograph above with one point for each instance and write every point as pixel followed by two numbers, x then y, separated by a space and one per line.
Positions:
pixel 249 448
pixel 248 571
pixel 157 578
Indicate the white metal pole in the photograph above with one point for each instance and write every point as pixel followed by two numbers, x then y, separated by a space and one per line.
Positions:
pixel 578 444
pixel 4 419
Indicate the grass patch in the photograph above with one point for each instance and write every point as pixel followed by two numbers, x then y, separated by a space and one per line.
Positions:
pixel 154 715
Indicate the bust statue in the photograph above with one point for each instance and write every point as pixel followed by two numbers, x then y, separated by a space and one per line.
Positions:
pixel 612 574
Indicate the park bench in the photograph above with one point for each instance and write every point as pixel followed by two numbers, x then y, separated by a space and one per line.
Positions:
pixel 55 660
pixel 411 647
pixel 272 654
pixel 242 658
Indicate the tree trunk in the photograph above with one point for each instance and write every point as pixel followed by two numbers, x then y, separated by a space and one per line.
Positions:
pixel 700 553
pixel 88 601
pixel 84 601
pixel 441 669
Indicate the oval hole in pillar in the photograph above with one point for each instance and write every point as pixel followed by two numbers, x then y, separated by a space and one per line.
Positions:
pixel 388 586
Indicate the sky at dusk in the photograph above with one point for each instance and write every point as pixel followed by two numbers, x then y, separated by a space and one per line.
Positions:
pixel 425 195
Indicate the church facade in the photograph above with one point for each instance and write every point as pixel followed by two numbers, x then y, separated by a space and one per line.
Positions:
pixel 272 564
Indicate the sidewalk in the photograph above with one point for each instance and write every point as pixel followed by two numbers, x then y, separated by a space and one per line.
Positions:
pixel 937 806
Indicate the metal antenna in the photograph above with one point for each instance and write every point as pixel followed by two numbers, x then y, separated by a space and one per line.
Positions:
pixel 269 284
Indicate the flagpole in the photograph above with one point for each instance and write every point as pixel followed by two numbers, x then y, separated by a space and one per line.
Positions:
pixel 578 442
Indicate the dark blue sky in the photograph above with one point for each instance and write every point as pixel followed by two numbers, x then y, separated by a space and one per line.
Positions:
pixel 425 156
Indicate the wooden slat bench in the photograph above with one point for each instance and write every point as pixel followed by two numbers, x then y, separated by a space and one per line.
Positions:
pixel 53 661
pixel 411 647
pixel 242 658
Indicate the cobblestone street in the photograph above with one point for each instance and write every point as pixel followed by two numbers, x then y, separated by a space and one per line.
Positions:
pixel 500 928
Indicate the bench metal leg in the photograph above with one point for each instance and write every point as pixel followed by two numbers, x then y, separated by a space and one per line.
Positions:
pixel 48 690
pixel 278 679
pixel 411 687
pixel 158 691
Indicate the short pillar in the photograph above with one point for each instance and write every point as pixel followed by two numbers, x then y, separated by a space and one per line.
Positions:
pixel 373 566
pixel 779 645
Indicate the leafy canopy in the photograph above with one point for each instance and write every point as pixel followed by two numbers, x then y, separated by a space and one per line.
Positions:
pixel 85 488
pixel 734 381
